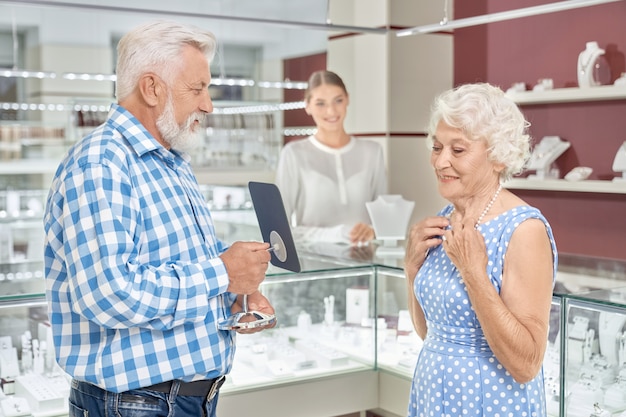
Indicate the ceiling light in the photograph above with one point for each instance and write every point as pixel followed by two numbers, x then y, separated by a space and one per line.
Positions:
pixel 257 108
pixel 17 73
pixel 287 85
pixel 232 81
pixel 500 16
pixel 89 77
pixel 260 108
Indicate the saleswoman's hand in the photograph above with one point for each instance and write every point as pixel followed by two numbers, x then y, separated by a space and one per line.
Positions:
pixel 361 233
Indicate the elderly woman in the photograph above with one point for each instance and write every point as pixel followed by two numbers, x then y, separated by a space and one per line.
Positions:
pixel 480 274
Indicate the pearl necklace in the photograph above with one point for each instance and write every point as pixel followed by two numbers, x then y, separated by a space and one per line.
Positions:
pixel 486 210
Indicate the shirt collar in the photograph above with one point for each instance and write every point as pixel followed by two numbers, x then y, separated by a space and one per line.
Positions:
pixel 140 140
pixel 328 149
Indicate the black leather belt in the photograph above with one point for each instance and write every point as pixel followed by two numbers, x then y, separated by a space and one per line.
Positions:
pixel 205 388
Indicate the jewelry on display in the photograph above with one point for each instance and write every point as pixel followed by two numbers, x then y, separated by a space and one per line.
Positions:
pixel 610 327
pixel 329 310
pixel 584 66
pixel 547 151
pixel 591 71
pixel 486 210
pixel 599 411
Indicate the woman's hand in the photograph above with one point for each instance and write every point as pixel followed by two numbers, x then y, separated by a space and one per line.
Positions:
pixel 361 233
pixel 466 248
pixel 423 235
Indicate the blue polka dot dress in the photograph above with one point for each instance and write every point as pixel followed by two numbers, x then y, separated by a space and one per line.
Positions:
pixel 457 374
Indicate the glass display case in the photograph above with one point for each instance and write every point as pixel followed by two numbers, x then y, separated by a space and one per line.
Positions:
pixel 343 334
pixel 595 353
pixel 552 360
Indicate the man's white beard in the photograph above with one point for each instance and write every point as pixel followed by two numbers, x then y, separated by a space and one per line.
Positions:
pixel 179 137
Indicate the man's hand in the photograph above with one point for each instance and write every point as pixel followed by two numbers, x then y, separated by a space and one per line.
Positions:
pixel 256 302
pixel 246 264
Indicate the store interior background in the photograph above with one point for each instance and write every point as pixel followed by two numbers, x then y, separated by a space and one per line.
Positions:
pixel 392 82
pixel 387 83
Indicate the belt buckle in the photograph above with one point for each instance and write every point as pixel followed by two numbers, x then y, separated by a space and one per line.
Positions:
pixel 215 387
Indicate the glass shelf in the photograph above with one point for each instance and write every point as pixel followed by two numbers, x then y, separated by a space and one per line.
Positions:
pixel 610 297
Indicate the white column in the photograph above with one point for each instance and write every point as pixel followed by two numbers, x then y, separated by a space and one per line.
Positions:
pixel 392 82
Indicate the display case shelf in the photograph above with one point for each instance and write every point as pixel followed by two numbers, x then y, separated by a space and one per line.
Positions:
pixel 29 166
pixel 586 186
pixel 569 95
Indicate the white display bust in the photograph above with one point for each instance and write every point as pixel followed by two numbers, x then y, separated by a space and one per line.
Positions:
pixel 390 215
pixel 588 64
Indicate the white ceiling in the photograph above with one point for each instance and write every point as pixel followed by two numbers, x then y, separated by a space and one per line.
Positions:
pixel 247 22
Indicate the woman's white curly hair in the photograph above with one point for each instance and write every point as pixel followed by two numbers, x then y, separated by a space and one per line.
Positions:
pixel 483 112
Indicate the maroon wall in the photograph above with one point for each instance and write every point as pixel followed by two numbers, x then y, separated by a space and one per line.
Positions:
pixel 299 69
pixel 547 46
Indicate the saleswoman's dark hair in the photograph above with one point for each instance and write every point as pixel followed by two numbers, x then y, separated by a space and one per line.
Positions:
pixel 323 77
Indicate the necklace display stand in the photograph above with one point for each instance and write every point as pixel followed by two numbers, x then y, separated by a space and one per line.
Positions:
pixel 619 163
pixel 610 330
pixel 390 215
pixel 592 70
pixel 615 394
pixel 543 156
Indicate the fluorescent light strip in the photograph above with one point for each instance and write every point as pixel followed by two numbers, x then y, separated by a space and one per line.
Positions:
pixel 89 77
pixel 34 106
pixel 300 131
pixel 500 16
pixel 293 85
pixel 287 85
pixel 17 73
pixel 261 108
pixel 232 81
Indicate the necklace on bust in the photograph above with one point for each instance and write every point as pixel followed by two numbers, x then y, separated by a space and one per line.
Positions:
pixel 487 208
pixel 586 65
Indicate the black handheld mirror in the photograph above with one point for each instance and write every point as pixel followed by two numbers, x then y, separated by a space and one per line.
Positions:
pixel 275 229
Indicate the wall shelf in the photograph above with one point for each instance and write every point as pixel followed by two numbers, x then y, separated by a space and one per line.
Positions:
pixel 570 95
pixel 586 186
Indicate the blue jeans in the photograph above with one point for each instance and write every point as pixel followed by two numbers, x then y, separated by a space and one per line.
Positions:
pixel 89 400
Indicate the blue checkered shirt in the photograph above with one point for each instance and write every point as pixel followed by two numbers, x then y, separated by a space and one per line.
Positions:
pixel 134 284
